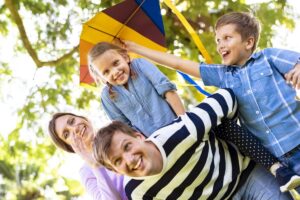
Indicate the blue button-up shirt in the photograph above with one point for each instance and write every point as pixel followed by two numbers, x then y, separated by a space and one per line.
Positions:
pixel 143 105
pixel 267 103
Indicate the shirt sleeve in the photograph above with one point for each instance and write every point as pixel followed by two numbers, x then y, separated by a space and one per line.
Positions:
pixel 282 60
pixel 160 82
pixel 211 112
pixel 212 75
pixel 101 184
pixel 112 111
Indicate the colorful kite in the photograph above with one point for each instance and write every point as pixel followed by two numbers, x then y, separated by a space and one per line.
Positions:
pixel 136 20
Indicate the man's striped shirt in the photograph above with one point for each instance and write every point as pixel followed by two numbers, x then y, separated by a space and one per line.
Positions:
pixel 195 164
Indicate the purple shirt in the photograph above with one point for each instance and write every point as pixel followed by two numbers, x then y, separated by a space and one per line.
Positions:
pixel 102 184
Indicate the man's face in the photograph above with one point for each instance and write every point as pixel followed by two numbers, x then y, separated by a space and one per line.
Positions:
pixel 231 47
pixel 134 156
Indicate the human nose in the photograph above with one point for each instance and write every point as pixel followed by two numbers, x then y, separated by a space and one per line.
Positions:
pixel 74 129
pixel 220 44
pixel 128 158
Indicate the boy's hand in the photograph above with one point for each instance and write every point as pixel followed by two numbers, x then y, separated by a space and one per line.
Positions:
pixel 293 76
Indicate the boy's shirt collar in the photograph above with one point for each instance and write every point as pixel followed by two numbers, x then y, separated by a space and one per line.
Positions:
pixel 233 68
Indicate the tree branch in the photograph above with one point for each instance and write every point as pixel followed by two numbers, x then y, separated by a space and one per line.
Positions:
pixel 16 17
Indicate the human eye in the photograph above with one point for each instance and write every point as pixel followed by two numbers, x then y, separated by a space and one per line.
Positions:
pixel 117 162
pixel 116 62
pixel 66 134
pixel 71 121
pixel 127 146
pixel 105 73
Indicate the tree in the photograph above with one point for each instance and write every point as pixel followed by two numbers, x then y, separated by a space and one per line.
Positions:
pixel 48 32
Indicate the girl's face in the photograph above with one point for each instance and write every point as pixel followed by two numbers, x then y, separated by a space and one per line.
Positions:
pixel 113 67
pixel 68 127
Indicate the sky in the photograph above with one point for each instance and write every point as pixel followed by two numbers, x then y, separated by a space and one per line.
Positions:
pixel 13 96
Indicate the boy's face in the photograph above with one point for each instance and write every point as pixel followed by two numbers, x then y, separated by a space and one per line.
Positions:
pixel 133 156
pixel 231 47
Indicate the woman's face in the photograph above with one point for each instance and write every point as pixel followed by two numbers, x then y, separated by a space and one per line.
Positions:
pixel 69 127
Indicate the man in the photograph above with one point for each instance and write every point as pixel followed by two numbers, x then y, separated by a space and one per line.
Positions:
pixel 184 160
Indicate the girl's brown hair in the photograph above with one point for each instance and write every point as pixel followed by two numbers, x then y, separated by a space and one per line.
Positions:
pixel 54 136
pixel 97 51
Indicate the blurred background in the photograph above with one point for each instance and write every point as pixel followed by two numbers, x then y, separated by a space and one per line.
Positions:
pixel 39 75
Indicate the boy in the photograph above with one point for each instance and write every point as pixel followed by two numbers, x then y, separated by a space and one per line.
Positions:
pixel 184 160
pixel 267 104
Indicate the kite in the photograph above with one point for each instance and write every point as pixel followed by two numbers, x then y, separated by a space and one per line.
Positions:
pixel 136 20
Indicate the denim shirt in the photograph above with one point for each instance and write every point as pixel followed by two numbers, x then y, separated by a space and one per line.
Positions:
pixel 143 105
pixel 267 104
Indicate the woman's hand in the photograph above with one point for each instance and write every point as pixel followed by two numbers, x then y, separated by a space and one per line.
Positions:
pixel 84 151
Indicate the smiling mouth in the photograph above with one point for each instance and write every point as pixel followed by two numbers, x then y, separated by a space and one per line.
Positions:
pixel 119 77
pixel 138 164
pixel 224 53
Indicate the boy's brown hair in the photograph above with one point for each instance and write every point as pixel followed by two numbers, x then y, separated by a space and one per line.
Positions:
pixel 103 139
pixel 246 24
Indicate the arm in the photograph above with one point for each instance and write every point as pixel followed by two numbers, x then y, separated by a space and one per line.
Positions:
pixel 287 63
pixel 168 60
pixel 211 112
pixel 101 186
pixel 175 102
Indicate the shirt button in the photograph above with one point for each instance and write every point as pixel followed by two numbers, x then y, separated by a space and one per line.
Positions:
pixel 267 131
pixel 249 91
pixel 257 112
pixel 262 73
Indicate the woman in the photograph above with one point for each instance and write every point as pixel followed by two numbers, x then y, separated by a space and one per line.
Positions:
pixel 75 134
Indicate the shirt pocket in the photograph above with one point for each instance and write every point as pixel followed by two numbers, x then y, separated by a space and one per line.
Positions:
pixel 262 83
pixel 261 73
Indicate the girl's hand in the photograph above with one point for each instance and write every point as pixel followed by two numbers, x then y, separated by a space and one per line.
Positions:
pixel 125 44
pixel 293 77
pixel 84 151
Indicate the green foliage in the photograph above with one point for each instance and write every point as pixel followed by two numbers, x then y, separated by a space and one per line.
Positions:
pixel 51 27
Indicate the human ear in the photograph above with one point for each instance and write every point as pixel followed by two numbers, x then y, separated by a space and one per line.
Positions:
pixel 139 135
pixel 250 43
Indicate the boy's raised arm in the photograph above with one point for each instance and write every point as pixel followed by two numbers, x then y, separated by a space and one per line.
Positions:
pixel 165 59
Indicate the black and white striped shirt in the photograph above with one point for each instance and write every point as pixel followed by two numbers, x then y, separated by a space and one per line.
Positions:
pixel 195 164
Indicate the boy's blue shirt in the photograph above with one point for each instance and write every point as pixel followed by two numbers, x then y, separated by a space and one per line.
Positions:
pixel 143 105
pixel 267 104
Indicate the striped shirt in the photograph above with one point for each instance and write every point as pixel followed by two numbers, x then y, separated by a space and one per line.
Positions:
pixel 195 164
pixel 267 104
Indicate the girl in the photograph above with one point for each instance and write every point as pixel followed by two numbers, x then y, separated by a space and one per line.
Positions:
pixel 136 92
